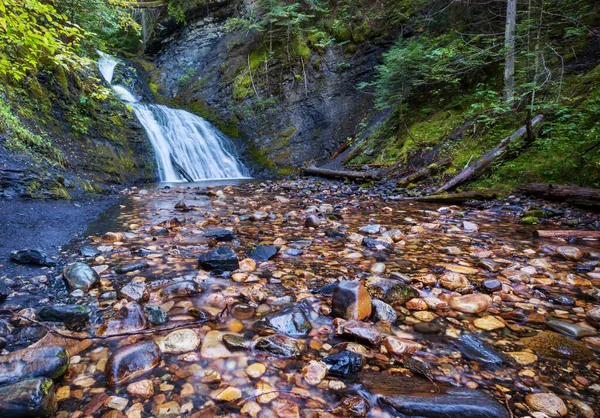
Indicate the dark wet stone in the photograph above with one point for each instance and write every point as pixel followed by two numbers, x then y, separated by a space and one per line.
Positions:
pixel 383 312
pixel 474 349
pixel 70 315
pixel 28 399
pixel 293 252
pixel 4 291
pixel 219 259
pixel 220 234
pixel 427 328
pixel 155 315
pixel 263 252
pixel 290 320
pixel 300 244
pixel 80 276
pixel 235 342
pixel 6 328
pixel 48 361
pixel 353 406
pixel 391 291
pixel 561 300
pixel 326 290
pixel 88 251
pixel 491 286
pixel 312 221
pixel 139 265
pixel 129 318
pixel 134 292
pixel 242 311
pixel 344 364
pixel 280 345
pixel 373 243
pixel 453 402
pixel 181 289
pixel 570 329
pixel 31 334
pixel 181 206
pixel 129 362
pixel 161 231
pixel 36 257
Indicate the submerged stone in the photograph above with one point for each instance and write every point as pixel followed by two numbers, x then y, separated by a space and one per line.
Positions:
pixel 263 253
pixel 393 292
pixel 290 320
pixel 135 292
pixel 68 314
pixel 45 361
pixel 474 349
pixel 28 399
pixel 88 251
pixel 180 289
pixel 129 362
pixel 220 234
pixel 219 259
pixel 350 300
pixel 179 341
pixel 155 315
pixel 130 318
pixel 547 403
pixel 80 276
pixel 127 268
pixel 36 257
pixel 280 345
pixel 552 344
pixel 570 329
pixel 344 364
pixel 383 312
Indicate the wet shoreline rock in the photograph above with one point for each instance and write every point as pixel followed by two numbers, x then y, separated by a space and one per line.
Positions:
pixel 80 276
pixel 350 300
pixel 28 399
pixel 45 361
pixel 219 259
pixel 35 257
pixel 132 361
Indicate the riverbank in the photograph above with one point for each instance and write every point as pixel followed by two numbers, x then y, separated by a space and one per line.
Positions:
pixel 46 225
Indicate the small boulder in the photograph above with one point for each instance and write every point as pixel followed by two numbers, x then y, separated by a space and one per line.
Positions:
pixel 290 320
pixel 280 345
pixel 135 292
pixel 351 300
pixel 36 257
pixel 28 398
pixel 70 315
pixel 129 318
pixel 400 346
pixel 548 403
pixel 344 364
pixel 381 311
pixel 131 361
pixel 179 341
pixel 80 276
pixel 569 253
pixel 357 330
pixel 155 315
pixel 473 303
pixel 263 253
pixel 45 361
pixel 312 221
pixel 220 234
pixel 314 372
pixel 219 259
pixel 392 292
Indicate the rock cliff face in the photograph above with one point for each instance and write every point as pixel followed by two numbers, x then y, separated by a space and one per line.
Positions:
pixel 288 111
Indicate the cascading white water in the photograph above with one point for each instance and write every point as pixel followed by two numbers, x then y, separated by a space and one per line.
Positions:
pixel 196 145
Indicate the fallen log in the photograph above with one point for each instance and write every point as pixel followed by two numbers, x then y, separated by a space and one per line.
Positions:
pixel 577 196
pixel 180 169
pixel 423 172
pixel 351 175
pixel 453 197
pixel 484 162
pixel 566 234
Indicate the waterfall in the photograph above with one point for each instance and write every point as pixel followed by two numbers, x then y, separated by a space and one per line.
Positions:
pixel 179 138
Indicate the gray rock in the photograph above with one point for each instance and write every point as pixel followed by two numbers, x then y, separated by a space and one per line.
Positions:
pixel 391 291
pixel 28 256
pixel 80 276
pixel 139 265
pixel 155 315
pixel 68 314
pixel 262 253
pixel 134 292
pixel 290 320
pixel 570 329
pixel 47 361
pixel 476 350
pixel 383 312
pixel 219 259
pixel 370 229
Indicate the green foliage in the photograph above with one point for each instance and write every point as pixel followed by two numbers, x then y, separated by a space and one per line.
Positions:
pixel 33 36
pixel 21 139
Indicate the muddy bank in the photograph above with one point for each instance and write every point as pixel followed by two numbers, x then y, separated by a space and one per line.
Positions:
pixel 45 225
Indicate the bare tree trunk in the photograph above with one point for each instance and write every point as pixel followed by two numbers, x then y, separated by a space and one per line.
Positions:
pixel 509 44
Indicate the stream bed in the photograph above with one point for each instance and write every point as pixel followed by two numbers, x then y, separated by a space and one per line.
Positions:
pixel 314 299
